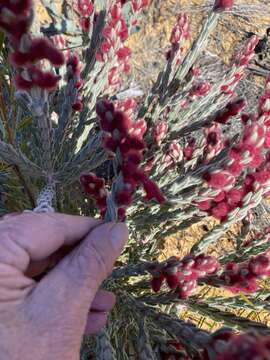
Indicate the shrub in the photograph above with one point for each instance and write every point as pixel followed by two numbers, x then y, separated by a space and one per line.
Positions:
pixel 74 139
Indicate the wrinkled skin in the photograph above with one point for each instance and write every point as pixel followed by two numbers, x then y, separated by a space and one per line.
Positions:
pixel 46 319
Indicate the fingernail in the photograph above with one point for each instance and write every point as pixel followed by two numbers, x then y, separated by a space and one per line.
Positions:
pixel 119 236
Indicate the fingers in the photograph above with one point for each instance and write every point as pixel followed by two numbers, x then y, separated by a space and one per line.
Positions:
pixel 77 278
pixel 36 268
pixel 92 261
pixel 103 302
pixel 33 237
pixel 95 322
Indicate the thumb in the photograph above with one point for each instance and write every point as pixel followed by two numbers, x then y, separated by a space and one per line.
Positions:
pixel 76 279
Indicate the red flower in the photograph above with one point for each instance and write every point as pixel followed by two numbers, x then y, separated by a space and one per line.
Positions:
pixel 121 213
pixel 206 264
pixel 110 144
pixel 153 192
pixel 101 202
pixel 77 106
pixel 122 122
pixel 247 346
pixel 139 128
pixel 212 138
pixel 36 77
pixel 16 29
pixel 139 4
pixel 204 205
pixel 159 132
pixel 103 107
pixel 134 157
pixel 58 41
pixel 115 11
pixel 105 47
pixel 45 80
pixel 219 179
pixel 85 25
pixel 235 168
pixel 180 30
pixel 106 122
pixel 123 53
pixel 173 280
pixel 86 178
pixel 234 197
pixel 262 176
pixel 221 5
pixel 220 211
pixel 254 135
pixel 123 198
pixel 188 152
pixel 85 8
pixel 235 107
pixel 230 110
pixel 132 143
pixel 187 289
pixel 123 30
pixel 130 170
pixel 256 158
pixel 22 84
pixel 157 282
pixel 17 7
pixel 73 63
pixel 39 49
pixel 260 265
pixel 200 89
pixel 267 140
pixel 220 197
pixel 95 187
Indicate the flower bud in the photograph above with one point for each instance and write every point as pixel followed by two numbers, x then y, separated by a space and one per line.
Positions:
pixel 222 5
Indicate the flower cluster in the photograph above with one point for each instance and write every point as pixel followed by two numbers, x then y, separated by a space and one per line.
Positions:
pixel 189 148
pixel 122 139
pixel 85 9
pixel 28 53
pixel 243 277
pixel 138 5
pixel 219 341
pixel 183 275
pixel 180 33
pixel 173 155
pixel 199 89
pixel 16 18
pixel 250 154
pixel 180 30
pixel 73 74
pixel 128 106
pixel 112 48
pixel 238 68
pixel 249 346
pixel 60 43
pixel 221 5
pixel 159 132
pixel 213 139
pixel 231 109
pixel 95 187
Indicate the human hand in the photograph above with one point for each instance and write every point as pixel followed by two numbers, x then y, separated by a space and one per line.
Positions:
pixel 46 319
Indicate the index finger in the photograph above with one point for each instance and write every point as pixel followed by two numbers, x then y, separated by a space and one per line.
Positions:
pixel 33 237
